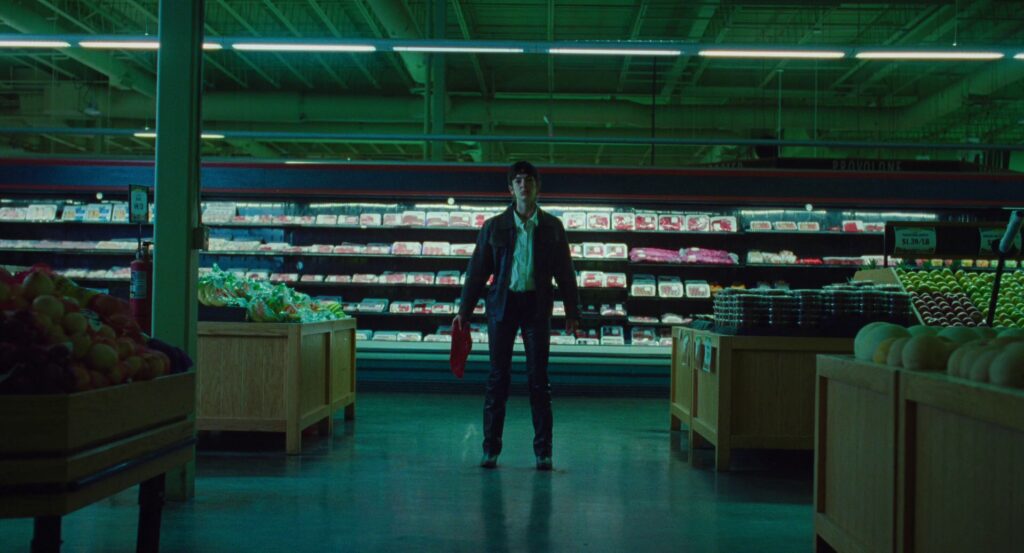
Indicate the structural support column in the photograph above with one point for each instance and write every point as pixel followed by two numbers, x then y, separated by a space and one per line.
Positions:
pixel 178 124
pixel 437 94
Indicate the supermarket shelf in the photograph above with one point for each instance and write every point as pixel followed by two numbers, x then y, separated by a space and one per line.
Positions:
pixel 815 233
pixel 127 253
pixel 661 298
pixel 317 254
pixel 585 316
pixel 60 222
pixel 658 353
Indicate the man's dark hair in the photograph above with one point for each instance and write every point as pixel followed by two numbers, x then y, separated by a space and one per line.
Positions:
pixel 523 167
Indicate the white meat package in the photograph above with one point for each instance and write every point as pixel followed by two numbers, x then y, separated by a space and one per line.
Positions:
pixel 640 336
pixel 670 287
pixel 410 336
pixel 377 249
pixel 592 279
pixel 448 278
pixel 698 289
pixel 436 248
pixel 462 249
pixel 321 248
pixel 574 220
pixel 723 224
pixel 615 280
pixel 406 248
pixel 808 226
pixel 422 279
pixel 599 221
pixel 413 218
pixel 365 278
pixel 644 286
pixel 616 251
pixel 442 307
pixel 593 250
pixel 612 336
pixel 385 336
pixel 369 219
pixel 558 310
pixel 347 220
pixel 670 222
pixel 646 221
pixel 437 218
pixel 339 278
pixel 760 226
pixel 312 278
pixel 563 340
pixel 609 310
pixel 697 223
pixel 437 338
pixel 786 226
pixel 575 250
pixel 672 318
pixel 460 219
pixel 363 335
pixel 398 277
pixel 348 248
pixel 326 219
pixel 623 221
pixel 392 219
pixel 403 307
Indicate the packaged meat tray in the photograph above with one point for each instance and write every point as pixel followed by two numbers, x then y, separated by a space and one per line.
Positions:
pixel 321 248
pixel 874 227
pixel 365 278
pixel 588 341
pixel 377 249
pixel 574 220
pixel 401 307
pixel 646 221
pixel 394 277
pixel 593 250
pixel 436 248
pixel 254 275
pixel 599 221
pixel 437 338
pixel 558 309
pixel 442 307
pixel 369 219
pixel 853 226
pixel 563 340
pixel 347 248
pixel 422 306
pixel 697 289
pixel 413 218
pixel 670 222
pixel 612 340
pixel 391 219
pixel 672 319
pixel 407 248
pixel 385 336
pixel 448 278
pixel 808 226
pixel 642 319
pixel 697 223
pixel 97 213
pixel 723 224
pixel 616 251
pixel 623 221
pixel 437 218
pixel 615 280
pixel 325 219
pixel 339 278
pixel 592 279
pixel 273 247
pixel 462 249
pixel 760 226
pixel 575 250
pixel 312 278
pixel 19 213
pixel 410 336
pixel 421 279
pixel 670 287
pixel 612 310
pixel 347 220
pixel 283 220
pixel 285 277
pixel 460 219
pixel 644 286
pixel 642 336
pixel 373 305
pixel 41 212
pixel 479 219
pixel 479 308
pixel 363 335
pixel 786 226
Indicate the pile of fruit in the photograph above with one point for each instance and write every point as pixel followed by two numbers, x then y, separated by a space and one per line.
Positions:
pixel 1010 310
pixel 945 297
pixel 980 354
pixel 56 337
pixel 263 301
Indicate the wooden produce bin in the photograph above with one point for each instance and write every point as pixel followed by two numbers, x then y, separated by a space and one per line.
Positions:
pixel 855 456
pixel 276 377
pixel 755 392
pixel 681 391
pixel 62 452
pixel 961 458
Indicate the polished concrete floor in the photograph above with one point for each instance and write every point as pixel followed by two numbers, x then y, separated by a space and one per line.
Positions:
pixel 404 477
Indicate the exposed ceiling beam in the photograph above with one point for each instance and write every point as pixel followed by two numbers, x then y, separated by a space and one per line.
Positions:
pixel 396 22
pixel 465 24
pixel 634 33
pixel 807 36
pixel 984 82
pixel 273 9
pixel 245 24
pixel 333 29
pixel 701 20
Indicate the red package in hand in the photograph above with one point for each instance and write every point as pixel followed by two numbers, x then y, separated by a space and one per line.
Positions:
pixel 462 344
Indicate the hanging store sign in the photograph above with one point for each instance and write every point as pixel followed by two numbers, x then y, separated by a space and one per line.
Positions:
pixel 138 204
pixel 914 240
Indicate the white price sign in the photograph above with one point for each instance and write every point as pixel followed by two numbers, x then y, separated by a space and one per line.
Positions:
pixel 138 205
pixel 914 240
pixel 994 234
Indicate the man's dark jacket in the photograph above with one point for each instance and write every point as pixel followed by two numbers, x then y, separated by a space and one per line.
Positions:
pixel 494 253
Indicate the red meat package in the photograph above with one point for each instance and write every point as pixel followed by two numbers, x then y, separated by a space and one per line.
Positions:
pixel 623 221
pixel 670 287
pixel 573 220
pixel 369 219
pixel 437 218
pixel 422 279
pixel 599 221
pixel 312 278
pixel 448 278
pixel 698 289
pixel 670 222
pixel 348 220
pixel 395 277
pixel 413 218
pixel 348 248
pixel 392 219
pixel 697 223
pixel 855 225
pixel 576 250
pixel 460 219
pixel 593 250
pixel 283 219
pixel 479 219
pixel 406 248
pixel 615 280
pixel 321 248
pixel 365 278
pixel 401 307
pixel 760 226
pixel 646 221
pixel 787 226
pixel 436 248
pixel 616 251
pixel 442 307
pixel 462 249
pixel 808 226
pixel 377 249
pixel 592 279
pixel 723 224
pixel 326 219
pixel 339 278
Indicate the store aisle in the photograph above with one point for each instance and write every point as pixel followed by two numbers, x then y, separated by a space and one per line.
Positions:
pixel 404 478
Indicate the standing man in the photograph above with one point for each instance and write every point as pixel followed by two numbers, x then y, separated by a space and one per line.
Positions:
pixel 523 247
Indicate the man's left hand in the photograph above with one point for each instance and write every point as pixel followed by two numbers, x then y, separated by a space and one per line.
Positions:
pixel 571 326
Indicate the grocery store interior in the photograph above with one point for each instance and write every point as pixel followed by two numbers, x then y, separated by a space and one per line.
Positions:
pixel 234 236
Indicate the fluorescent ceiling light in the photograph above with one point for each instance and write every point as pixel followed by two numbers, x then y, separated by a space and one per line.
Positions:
pixel 613 52
pixel 144 135
pixel 212 46
pixel 1019 56
pixel 297 47
pixel 34 44
pixel 150 134
pixel 808 54
pixel 120 44
pixel 211 136
pixel 459 49
pixel 919 55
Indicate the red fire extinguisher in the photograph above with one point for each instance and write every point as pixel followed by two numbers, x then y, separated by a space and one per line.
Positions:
pixel 140 293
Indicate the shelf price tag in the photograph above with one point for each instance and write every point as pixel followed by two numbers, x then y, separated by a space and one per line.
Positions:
pixel 994 234
pixel 138 204
pixel 709 352
pixel 914 239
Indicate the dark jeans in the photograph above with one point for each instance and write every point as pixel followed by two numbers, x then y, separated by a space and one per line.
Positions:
pixel 520 314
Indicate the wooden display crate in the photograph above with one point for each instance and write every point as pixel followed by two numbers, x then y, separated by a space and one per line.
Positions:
pixel 61 452
pixel 755 392
pixel 276 377
pixel 681 391
pixel 855 456
pixel 961 463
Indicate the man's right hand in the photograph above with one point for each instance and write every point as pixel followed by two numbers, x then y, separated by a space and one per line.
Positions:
pixel 458 321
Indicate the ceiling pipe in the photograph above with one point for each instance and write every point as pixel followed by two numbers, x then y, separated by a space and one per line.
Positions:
pixel 399 25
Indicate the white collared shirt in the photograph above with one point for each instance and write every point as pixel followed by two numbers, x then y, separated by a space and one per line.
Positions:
pixel 522 258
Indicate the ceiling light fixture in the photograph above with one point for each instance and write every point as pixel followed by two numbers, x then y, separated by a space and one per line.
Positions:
pixel 1019 56
pixel 613 52
pixel 921 55
pixel 459 49
pixel 34 44
pixel 120 44
pixel 795 54
pixel 205 136
pixel 299 47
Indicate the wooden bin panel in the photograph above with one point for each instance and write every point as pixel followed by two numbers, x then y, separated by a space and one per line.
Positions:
pixel 242 377
pixel 681 397
pixel 773 397
pixel 962 460
pixel 855 461
pixel 343 364
pixel 707 382
pixel 313 371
